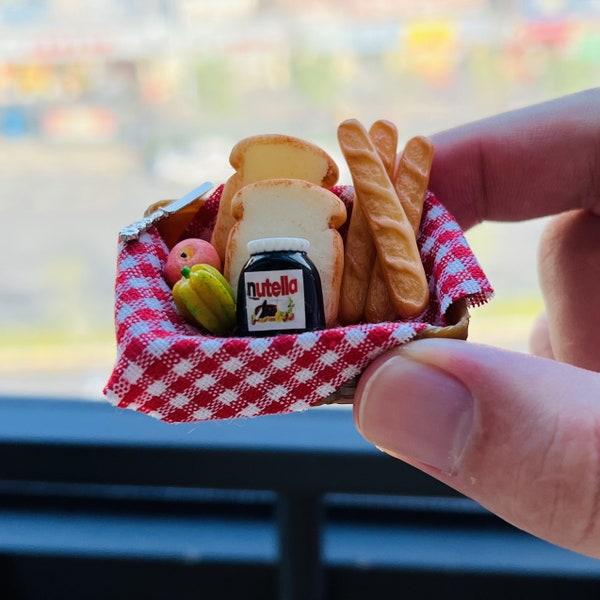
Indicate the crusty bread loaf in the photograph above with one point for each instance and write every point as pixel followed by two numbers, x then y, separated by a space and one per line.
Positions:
pixel 270 156
pixel 290 208
pixel 412 178
pixel 359 257
pixel 378 304
pixel 392 233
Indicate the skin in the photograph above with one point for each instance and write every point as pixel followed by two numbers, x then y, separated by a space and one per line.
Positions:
pixel 518 433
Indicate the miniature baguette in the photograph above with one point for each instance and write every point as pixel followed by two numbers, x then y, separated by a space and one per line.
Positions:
pixel 392 233
pixel 378 306
pixel 359 249
pixel 359 258
pixel 412 178
pixel 384 136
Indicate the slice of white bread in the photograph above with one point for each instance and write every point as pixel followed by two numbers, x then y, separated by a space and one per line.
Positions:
pixel 291 208
pixel 270 156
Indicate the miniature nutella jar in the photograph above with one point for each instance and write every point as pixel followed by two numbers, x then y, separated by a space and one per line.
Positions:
pixel 279 289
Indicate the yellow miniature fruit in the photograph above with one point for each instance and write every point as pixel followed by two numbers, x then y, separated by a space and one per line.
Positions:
pixel 205 296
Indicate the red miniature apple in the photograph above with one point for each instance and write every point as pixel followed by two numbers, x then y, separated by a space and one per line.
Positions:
pixel 187 253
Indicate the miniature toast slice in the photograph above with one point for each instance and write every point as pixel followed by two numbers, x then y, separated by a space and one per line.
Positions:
pixel 270 156
pixel 291 208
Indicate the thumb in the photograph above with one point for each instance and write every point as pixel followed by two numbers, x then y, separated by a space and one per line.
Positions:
pixel 517 433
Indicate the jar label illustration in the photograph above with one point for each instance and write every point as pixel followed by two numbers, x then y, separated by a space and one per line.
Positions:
pixel 275 300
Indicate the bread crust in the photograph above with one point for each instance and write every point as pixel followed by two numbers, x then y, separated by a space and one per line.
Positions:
pixel 225 221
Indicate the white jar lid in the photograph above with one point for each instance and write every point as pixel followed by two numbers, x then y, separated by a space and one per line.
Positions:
pixel 278 244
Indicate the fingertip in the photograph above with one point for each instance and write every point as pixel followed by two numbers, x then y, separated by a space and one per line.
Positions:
pixel 414 411
pixel 516 433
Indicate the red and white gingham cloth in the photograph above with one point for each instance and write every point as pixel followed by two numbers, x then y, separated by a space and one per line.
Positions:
pixel 167 369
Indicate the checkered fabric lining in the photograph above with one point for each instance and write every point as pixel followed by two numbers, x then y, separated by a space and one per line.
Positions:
pixel 167 369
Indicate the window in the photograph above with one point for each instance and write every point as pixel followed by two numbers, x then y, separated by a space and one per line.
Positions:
pixel 107 107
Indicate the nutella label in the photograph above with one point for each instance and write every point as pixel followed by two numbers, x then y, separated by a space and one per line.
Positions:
pixel 275 300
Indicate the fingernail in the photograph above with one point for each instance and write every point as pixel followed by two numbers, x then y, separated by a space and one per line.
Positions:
pixel 414 411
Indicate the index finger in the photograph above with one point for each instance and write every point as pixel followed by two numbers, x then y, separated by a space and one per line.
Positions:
pixel 528 163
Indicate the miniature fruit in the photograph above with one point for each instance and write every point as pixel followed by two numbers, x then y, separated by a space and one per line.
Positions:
pixel 187 253
pixel 205 295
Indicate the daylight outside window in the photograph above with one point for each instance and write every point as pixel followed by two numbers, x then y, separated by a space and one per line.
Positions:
pixel 108 107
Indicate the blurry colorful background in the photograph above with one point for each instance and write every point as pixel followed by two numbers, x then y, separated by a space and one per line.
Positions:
pixel 108 106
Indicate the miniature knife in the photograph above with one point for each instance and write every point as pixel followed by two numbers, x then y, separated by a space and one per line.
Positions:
pixel 133 231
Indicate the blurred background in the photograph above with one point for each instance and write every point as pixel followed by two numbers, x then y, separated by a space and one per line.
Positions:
pixel 107 106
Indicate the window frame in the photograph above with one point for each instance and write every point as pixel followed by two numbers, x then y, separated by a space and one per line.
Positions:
pixel 315 498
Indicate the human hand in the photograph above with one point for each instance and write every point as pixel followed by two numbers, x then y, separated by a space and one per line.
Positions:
pixel 518 433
